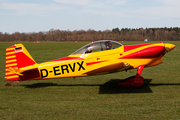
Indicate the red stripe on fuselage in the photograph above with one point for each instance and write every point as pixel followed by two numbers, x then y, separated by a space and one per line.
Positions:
pixel 149 52
pixel 132 55
pixel 92 63
pixel 130 47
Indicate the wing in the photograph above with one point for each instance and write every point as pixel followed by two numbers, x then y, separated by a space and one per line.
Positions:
pixel 116 67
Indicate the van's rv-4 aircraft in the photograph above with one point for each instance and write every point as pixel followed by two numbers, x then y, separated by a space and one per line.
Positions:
pixel 100 57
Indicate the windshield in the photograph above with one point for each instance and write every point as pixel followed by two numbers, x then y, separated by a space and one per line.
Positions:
pixel 98 46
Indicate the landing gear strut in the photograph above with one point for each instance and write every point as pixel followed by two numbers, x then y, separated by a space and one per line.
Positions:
pixel 134 81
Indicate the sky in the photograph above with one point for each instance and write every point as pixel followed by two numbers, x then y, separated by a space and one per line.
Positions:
pixel 42 15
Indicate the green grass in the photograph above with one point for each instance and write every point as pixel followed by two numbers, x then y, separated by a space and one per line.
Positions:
pixel 95 97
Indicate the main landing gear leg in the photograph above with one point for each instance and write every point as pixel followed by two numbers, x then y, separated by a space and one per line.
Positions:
pixel 134 81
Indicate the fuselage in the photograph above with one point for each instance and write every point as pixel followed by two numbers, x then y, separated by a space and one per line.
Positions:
pixel 100 62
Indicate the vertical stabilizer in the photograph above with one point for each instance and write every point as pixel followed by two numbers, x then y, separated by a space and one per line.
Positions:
pixel 17 57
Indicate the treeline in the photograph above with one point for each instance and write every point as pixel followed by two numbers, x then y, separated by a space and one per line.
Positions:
pixel 124 34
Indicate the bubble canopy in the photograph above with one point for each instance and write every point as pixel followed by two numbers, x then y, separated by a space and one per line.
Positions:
pixel 96 46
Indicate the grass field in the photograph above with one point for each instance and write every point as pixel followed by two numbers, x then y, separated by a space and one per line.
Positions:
pixel 95 97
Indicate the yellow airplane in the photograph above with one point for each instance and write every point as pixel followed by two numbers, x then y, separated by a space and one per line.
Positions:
pixel 100 57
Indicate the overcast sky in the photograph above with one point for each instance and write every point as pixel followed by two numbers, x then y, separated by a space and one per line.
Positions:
pixel 43 15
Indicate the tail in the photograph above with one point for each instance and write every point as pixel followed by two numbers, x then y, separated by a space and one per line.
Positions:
pixel 17 57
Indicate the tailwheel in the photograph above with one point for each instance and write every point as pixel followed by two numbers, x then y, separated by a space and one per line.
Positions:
pixel 134 81
pixel 9 84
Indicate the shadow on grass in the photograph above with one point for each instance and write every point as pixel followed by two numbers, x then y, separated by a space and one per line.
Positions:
pixel 41 85
pixel 110 87
pixel 161 84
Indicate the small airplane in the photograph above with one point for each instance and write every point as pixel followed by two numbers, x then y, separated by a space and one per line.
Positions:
pixel 99 57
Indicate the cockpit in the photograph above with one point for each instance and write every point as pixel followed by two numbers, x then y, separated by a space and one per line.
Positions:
pixel 96 46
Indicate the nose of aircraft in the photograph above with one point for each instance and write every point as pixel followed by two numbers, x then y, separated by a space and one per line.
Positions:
pixel 169 47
